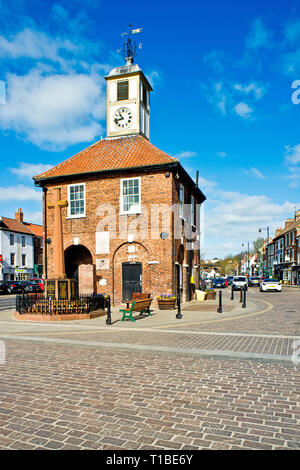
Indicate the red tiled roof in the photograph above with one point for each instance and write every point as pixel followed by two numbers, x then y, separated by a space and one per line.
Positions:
pixel 110 154
pixel 36 229
pixel 15 226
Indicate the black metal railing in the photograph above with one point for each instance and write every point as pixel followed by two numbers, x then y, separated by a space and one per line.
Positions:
pixel 38 304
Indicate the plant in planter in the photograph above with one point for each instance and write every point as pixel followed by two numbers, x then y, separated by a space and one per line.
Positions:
pixel 210 294
pixel 166 301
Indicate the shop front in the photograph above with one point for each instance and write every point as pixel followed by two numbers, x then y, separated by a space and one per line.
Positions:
pixel 23 274
pixel 296 275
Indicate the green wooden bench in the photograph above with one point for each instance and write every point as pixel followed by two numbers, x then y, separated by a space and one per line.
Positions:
pixel 142 306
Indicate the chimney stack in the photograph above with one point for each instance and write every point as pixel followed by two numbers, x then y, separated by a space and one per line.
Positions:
pixel 19 215
pixel 297 215
pixel 288 222
pixel 277 231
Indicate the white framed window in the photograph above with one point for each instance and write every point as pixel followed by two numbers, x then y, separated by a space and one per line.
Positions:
pixel 76 199
pixel 23 260
pixel 11 239
pixel 12 259
pixel 130 196
pixel 181 200
pixel 23 241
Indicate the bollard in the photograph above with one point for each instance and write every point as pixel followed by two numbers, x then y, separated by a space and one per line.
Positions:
pixel 241 295
pixel 220 310
pixel 178 314
pixel 108 319
pixel 244 302
pixel 232 293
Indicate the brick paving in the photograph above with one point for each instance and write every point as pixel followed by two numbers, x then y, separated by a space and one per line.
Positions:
pixel 69 391
pixel 284 318
pixel 61 397
pixel 277 347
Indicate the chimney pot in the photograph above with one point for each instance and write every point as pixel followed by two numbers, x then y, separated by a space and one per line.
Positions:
pixel 19 215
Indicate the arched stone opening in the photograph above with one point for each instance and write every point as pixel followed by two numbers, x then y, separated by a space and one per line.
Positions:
pixel 79 266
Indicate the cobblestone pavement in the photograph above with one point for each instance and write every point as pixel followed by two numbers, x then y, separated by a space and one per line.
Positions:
pixel 284 318
pixel 61 397
pixel 209 385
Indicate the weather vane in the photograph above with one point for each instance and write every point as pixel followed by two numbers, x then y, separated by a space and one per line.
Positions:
pixel 130 46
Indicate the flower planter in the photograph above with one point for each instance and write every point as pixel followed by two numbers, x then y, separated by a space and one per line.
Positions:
pixel 166 304
pixel 210 295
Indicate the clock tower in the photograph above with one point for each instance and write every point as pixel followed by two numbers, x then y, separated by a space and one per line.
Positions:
pixel 128 96
pixel 128 102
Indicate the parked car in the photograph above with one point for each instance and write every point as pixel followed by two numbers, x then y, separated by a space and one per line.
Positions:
pixel 270 284
pixel 239 282
pixel 40 282
pixel 3 289
pixel 254 281
pixel 219 282
pixel 14 287
pixel 229 279
pixel 29 286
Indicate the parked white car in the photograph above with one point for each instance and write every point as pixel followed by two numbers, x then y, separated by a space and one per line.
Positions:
pixel 270 284
pixel 239 282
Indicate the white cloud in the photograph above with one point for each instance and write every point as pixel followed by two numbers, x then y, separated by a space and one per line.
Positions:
pixel 216 60
pixel 233 218
pixel 36 45
pixel 243 110
pixel 155 77
pixel 292 154
pixel 185 154
pixel 292 159
pixel 254 172
pixel 28 170
pixel 221 154
pixel 54 111
pixel 20 192
pixel 33 217
pixel 259 35
pixel 256 89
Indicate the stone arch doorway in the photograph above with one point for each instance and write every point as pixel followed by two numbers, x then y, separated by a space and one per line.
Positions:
pixel 132 254
pixel 79 266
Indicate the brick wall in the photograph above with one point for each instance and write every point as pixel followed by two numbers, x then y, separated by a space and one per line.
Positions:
pixel 156 188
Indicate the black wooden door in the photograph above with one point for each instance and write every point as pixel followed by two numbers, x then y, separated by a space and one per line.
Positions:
pixel 131 279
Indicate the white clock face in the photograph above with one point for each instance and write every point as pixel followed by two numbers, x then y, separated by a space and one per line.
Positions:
pixel 123 118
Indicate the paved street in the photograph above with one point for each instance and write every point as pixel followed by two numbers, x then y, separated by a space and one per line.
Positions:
pixel 199 383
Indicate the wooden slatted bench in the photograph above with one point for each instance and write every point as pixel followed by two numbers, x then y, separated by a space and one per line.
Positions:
pixel 142 306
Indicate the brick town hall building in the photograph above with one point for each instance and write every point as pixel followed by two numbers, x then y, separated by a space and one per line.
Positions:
pixel 130 220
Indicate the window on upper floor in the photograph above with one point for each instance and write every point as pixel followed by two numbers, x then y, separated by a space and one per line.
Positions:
pixel 122 90
pixel 23 260
pixel 130 200
pixel 23 241
pixel 77 200
pixel 12 259
pixel 11 239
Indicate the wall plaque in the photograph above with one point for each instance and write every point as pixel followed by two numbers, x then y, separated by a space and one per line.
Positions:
pixel 62 290
pixel 73 289
pixel 102 263
pixel 50 289
pixel 102 243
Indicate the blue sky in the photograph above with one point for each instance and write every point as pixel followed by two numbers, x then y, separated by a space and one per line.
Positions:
pixel 222 74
